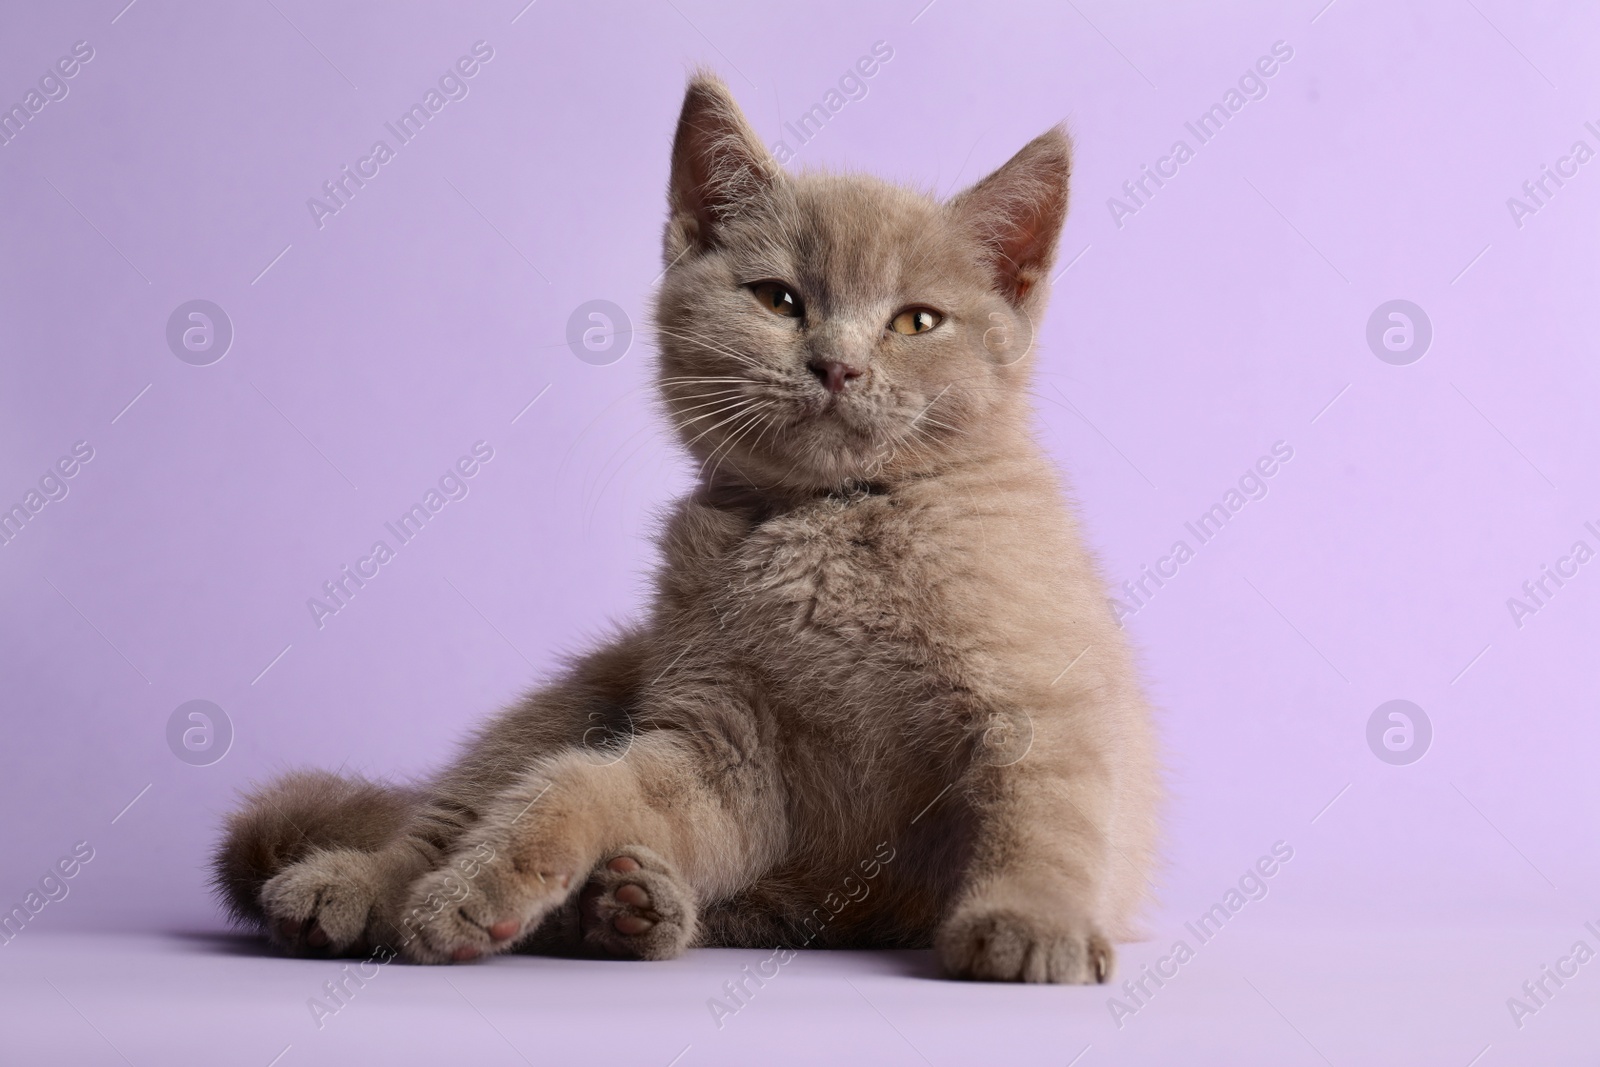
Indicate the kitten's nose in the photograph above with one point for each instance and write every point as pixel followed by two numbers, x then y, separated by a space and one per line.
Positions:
pixel 833 374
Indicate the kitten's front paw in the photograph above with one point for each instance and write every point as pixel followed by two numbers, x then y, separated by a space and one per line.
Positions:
pixel 321 905
pixel 1002 942
pixel 478 904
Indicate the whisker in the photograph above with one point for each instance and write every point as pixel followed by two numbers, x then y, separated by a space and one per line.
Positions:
pixel 685 426
pixel 769 420
pixel 728 445
pixel 716 407
pixel 698 378
pixel 712 343
pixel 708 403
pixel 697 383
pixel 724 422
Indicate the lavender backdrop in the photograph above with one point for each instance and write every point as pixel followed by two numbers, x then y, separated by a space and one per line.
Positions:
pixel 1426 152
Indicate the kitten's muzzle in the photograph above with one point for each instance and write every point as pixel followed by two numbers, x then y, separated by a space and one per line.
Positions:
pixel 834 375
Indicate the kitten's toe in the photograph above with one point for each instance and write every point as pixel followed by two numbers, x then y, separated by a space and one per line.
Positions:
pixel 635 906
pixel 322 905
pixel 999 943
pixel 455 916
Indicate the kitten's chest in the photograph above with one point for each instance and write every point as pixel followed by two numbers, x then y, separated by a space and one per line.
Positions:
pixel 852 572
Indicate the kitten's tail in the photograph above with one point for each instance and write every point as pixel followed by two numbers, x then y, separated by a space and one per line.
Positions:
pixel 281 823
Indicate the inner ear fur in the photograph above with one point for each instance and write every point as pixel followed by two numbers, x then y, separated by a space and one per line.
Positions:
pixel 1017 212
pixel 719 166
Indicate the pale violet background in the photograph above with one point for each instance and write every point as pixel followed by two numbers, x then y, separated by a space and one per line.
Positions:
pixel 1229 313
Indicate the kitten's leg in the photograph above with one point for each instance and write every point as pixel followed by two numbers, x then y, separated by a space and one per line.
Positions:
pixel 669 804
pixel 1037 901
pixel 636 906
pixel 324 864
pixel 300 815
pixel 344 901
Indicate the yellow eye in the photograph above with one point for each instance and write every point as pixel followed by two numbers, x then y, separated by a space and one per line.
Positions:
pixel 776 298
pixel 915 320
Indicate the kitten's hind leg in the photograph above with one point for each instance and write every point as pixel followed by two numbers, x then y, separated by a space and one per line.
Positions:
pixel 635 906
pixel 716 819
pixel 301 858
pixel 300 814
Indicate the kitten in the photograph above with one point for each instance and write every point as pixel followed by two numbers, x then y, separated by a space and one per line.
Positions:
pixel 879 698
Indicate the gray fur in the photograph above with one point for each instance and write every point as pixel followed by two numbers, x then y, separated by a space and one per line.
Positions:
pixel 844 720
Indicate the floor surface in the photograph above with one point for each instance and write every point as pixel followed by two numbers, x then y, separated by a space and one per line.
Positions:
pixel 1410 998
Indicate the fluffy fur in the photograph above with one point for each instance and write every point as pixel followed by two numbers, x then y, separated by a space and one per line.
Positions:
pixel 849 717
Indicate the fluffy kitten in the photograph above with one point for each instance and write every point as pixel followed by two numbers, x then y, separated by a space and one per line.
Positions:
pixel 879 698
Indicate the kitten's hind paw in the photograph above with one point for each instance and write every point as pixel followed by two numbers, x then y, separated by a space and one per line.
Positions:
pixel 635 906
pixel 321 905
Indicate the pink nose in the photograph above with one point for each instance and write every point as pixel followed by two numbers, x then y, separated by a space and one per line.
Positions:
pixel 832 374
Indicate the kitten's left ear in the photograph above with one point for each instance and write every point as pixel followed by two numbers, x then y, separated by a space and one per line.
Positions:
pixel 1017 212
pixel 718 163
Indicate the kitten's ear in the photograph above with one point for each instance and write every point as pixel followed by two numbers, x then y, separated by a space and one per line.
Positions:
pixel 718 164
pixel 1017 212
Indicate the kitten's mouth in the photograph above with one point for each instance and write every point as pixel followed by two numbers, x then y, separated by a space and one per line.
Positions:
pixel 841 411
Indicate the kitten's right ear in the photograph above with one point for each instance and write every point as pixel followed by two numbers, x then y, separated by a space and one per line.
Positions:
pixel 718 164
pixel 1016 213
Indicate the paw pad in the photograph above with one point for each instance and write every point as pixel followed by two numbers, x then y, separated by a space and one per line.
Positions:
pixel 635 906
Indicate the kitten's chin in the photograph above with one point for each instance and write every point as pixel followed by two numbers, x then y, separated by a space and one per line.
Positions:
pixel 814 466
pixel 822 446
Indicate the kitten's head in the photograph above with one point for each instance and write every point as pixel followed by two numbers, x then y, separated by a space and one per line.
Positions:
pixel 819 330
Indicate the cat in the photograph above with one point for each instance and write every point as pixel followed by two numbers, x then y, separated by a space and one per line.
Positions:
pixel 879 699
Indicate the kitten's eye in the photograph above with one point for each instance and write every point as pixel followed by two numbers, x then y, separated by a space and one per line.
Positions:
pixel 916 320
pixel 776 298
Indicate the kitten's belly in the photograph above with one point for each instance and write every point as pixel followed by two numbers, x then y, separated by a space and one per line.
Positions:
pixel 843 615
